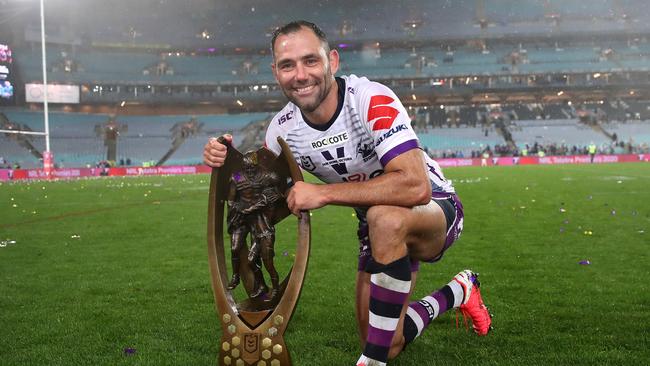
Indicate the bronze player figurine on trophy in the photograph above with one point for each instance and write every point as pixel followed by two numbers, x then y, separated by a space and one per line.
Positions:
pixel 253 193
pixel 252 186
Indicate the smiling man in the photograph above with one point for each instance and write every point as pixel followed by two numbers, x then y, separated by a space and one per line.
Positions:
pixel 355 136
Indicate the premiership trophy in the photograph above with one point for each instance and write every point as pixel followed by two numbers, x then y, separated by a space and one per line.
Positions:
pixel 253 187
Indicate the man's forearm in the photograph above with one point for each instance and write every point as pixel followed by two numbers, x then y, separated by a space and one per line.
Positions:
pixel 391 188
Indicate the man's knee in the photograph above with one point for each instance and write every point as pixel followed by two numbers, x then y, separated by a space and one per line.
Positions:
pixel 386 220
pixel 388 228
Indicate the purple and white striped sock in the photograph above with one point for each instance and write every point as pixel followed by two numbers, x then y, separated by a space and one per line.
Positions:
pixel 390 285
pixel 420 313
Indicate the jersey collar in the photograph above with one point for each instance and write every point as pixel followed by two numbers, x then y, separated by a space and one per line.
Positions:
pixel 339 107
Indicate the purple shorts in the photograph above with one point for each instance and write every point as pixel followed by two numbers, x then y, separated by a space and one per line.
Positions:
pixel 454 229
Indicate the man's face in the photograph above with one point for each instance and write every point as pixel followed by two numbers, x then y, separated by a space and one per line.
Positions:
pixel 250 170
pixel 303 68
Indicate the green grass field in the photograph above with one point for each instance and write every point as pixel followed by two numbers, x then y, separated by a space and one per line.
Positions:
pixel 103 265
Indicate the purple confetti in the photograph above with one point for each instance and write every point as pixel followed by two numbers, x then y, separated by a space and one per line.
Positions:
pixel 129 351
pixel 285 253
pixel 584 262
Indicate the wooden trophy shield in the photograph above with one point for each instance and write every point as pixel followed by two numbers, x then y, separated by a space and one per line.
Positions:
pixel 252 330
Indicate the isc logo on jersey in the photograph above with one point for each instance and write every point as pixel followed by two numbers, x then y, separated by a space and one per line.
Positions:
pixel 330 141
pixel 284 118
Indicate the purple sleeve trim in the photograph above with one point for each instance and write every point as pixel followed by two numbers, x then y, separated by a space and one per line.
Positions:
pixel 398 150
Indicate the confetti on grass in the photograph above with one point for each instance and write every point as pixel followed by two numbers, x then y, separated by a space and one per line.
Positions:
pixel 585 262
pixel 129 351
pixel 4 243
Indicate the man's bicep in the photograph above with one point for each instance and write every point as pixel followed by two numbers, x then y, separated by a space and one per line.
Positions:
pixel 410 162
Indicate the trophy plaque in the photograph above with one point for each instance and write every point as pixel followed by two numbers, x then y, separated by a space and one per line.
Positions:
pixel 253 186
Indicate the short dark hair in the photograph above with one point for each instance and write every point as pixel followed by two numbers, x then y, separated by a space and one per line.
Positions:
pixel 296 26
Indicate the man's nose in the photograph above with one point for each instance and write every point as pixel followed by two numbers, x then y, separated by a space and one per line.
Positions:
pixel 301 72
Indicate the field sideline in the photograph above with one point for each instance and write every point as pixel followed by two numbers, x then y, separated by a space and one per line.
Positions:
pixel 114 271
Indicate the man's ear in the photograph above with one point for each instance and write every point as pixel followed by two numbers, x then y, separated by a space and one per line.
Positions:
pixel 275 75
pixel 334 61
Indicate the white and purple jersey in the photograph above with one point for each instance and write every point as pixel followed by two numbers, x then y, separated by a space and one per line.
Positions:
pixel 369 128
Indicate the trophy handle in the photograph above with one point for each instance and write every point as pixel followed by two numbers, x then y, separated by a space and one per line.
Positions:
pixel 294 286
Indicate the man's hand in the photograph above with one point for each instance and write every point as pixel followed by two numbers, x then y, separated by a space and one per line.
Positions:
pixel 306 196
pixel 214 152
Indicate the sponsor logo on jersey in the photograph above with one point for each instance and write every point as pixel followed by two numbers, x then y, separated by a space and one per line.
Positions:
pixel 284 118
pixel 360 177
pixel 366 151
pixel 337 163
pixel 380 113
pixel 350 90
pixel 330 141
pixel 390 133
pixel 307 163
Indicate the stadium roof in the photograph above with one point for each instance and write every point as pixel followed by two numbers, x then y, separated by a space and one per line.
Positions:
pixel 248 23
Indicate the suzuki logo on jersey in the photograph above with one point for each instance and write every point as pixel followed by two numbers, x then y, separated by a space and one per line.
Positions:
pixel 330 141
pixel 390 133
pixel 380 113
pixel 285 118
pixel 337 163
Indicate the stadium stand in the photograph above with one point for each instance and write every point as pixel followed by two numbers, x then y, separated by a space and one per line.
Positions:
pixel 568 132
pixel 509 73
pixel 75 140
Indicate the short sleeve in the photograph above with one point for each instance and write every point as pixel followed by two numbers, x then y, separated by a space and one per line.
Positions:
pixel 386 120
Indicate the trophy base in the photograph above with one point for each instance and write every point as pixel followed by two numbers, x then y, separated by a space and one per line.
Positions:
pixel 258 347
